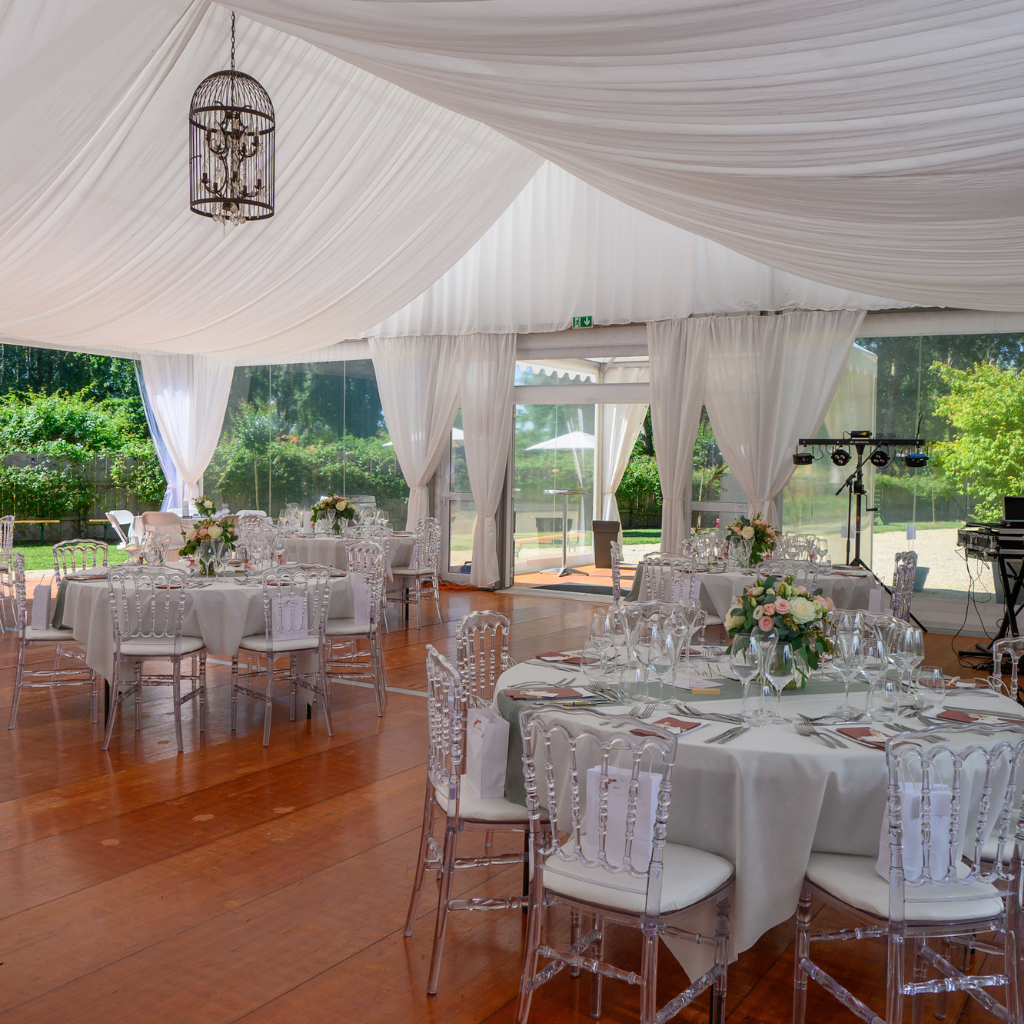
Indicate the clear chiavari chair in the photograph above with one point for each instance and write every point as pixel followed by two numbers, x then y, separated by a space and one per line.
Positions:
pixel 360 554
pixel 448 796
pixel 1013 649
pixel 420 581
pixel 667 578
pixel 616 557
pixel 903 584
pixel 8 614
pixel 147 607
pixel 344 658
pixel 74 555
pixel 481 653
pixel 613 874
pixel 951 791
pixel 295 605
pixel 29 638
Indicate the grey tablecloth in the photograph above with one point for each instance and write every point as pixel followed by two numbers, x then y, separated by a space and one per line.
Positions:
pixel 331 551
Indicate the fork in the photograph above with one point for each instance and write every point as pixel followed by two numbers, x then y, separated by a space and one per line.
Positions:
pixel 710 716
pixel 806 729
pixel 641 711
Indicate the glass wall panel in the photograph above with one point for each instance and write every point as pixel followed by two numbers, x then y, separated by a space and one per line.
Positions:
pixel 554 451
pixel 297 431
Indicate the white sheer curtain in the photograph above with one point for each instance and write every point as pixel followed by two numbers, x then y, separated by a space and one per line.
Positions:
pixel 418 382
pixel 770 380
pixel 620 426
pixel 678 350
pixel 185 398
pixel 487 370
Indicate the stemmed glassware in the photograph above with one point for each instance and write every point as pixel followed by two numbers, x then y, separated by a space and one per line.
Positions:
pixel 847 659
pixel 872 666
pixel 930 684
pixel 780 669
pixel 743 660
pixel 765 643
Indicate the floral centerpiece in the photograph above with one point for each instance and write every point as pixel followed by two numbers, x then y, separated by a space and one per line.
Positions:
pixel 759 532
pixel 199 539
pixel 205 508
pixel 341 507
pixel 795 613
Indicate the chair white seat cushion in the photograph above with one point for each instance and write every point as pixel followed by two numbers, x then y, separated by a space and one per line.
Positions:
pixel 158 647
pixel 258 642
pixel 347 627
pixel 713 620
pixel 689 876
pixel 408 570
pixel 855 881
pixel 471 806
pixel 50 634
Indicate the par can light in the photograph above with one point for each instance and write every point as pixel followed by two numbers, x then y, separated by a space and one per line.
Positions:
pixel 802 458
pixel 915 460
pixel 880 457
pixel 840 456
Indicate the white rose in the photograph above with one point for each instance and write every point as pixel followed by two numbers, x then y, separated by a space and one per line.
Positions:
pixel 216 531
pixel 802 610
pixel 734 618
pixel 755 591
pixel 340 506
pixel 748 533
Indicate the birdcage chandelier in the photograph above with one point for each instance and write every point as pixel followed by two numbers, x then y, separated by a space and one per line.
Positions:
pixel 231 147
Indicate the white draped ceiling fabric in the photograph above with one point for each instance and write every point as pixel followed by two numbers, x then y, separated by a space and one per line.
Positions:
pixel 869 144
pixel 185 397
pixel 418 382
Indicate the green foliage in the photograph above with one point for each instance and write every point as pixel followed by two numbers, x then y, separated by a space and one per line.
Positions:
pixel 640 489
pixel 43 492
pixel 136 469
pixel 985 408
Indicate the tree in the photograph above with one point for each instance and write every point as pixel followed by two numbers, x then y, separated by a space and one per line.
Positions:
pixel 985 408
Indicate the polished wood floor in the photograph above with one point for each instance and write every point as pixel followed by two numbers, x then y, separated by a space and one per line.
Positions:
pixel 238 882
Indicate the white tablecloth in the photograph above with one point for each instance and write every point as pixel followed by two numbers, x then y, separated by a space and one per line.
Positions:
pixel 331 551
pixel 764 801
pixel 221 613
pixel 719 590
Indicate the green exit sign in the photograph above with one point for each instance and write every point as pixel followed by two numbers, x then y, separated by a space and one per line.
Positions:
pixel 579 322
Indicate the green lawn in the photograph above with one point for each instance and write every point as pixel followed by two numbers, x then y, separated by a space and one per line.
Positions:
pixel 40 556
pixel 642 536
pixel 902 527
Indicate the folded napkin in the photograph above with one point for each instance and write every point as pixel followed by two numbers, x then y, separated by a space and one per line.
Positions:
pixel 673 724
pixel 545 693
pixel 556 657
pixel 864 735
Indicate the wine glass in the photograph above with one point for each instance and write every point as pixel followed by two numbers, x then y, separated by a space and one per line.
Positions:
pixel 597 662
pixel 910 650
pixel 766 640
pixel 743 656
pixel 780 670
pixel 930 685
pixel 872 667
pixel 846 658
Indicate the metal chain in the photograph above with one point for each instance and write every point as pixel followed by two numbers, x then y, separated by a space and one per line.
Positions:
pixel 232 40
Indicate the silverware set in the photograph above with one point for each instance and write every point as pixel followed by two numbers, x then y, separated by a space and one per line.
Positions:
pixel 729 734
pixel 807 729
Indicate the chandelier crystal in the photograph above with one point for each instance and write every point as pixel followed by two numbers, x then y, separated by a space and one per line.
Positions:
pixel 231 147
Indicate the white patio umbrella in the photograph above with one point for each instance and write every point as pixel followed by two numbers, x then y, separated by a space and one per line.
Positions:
pixel 575 441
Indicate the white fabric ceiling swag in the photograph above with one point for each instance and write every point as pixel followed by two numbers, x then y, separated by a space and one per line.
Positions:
pixel 869 144
pixel 770 381
pixel 487 370
pixel 186 397
pixel 418 382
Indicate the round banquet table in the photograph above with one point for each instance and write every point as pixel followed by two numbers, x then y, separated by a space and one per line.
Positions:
pixel 764 801
pixel 221 612
pixel 850 589
pixel 330 550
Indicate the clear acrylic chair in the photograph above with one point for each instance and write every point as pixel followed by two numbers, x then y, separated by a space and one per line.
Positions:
pixel 73 555
pixel 1012 648
pixel 952 792
pixel 481 653
pixel 147 607
pixel 29 638
pixel 8 616
pixel 419 581
pixel 903 584
pixel 615 549
pixel 604 875
pixel 667 578
pixel 295 604
pixel 360 554
pixel 343 657
pixel 462 809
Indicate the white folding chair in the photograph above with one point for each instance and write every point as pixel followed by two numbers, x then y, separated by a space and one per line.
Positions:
pixel 121 519
pixel 628 875
pixel 295 602
pixel 147 607
pixel 169 525
pixel 28 638
pixel 952 791
pixel 463 810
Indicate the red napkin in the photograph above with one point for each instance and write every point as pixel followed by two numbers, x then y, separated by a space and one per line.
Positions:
pixel 544 693
pixel 953 715
pixel 560 659
pixel 862 734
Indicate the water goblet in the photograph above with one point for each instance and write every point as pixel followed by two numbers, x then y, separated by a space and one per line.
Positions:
pixel 780 668
pixel 930 686
pixel 743 660
pixel 871 667
pixel 846 658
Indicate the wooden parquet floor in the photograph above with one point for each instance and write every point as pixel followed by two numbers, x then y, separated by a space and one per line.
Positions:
pixel 238 882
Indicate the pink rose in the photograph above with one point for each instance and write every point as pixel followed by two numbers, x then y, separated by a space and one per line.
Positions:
pixel 782 606
pixel 203 532
pixel 769 609
pixel 830 604
pixel 766 624
pixel 820 601
pixel 191 535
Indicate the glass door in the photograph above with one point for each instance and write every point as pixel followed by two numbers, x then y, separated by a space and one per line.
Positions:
pixel 458 510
